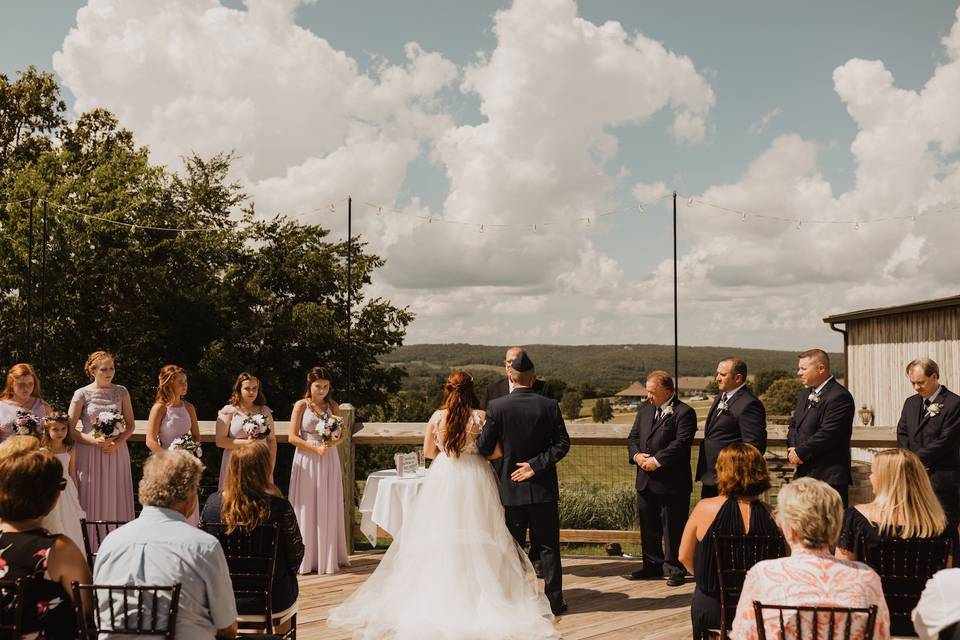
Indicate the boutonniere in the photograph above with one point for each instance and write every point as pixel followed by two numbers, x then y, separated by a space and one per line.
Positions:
pixel 934 409
pixel 666 411
pixel 722 406
pixel 813 398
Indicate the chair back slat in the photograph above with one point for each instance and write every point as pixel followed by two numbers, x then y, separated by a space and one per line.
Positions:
pixel 904 567
pixel 810 621
pixel 94 531
pixel 251 558
pixel 124 611
pixel 11 608
pixel 734 555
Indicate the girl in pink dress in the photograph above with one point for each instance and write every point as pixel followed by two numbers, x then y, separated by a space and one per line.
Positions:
pixel 103 463
pixel 246 402
pixel 172 417
pixel 21 395
pixel 316 488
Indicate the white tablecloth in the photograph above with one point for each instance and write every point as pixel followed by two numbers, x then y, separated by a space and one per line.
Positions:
pixel 385 499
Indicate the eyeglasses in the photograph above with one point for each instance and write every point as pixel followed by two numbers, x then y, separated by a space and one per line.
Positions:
pixel 63 484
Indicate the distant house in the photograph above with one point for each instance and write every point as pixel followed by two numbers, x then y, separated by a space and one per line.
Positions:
pixel 688 385
pixel 632 395
pixel 878 344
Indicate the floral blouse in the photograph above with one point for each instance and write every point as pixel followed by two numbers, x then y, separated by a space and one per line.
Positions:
pixel 47 611
pixel 809 578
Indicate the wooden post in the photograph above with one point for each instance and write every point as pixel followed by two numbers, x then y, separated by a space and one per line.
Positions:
pixel 347 458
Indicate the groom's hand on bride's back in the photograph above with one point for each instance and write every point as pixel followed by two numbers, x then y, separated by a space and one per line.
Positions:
pixel 523 472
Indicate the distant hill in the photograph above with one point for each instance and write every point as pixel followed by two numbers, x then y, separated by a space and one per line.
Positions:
pixel 608 367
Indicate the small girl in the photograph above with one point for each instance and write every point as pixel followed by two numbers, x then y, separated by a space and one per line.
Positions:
pixel 66 514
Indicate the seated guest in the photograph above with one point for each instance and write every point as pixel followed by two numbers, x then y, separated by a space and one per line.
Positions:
pixel 16 445
pixel 905 506
pixel 939 607
pixel 30 484
pixel 742 477
pixel 160 548
pixel 809 513
pixel 249 499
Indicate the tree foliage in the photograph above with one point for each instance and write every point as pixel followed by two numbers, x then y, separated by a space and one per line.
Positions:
pixel 571 404
pixel 781 397
pixel 602 410
pixel 766 377
pixel 262 295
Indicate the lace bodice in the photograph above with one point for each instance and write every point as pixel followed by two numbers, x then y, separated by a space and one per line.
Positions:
pixel 438 419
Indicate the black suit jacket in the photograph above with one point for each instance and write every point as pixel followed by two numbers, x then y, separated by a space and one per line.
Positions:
pixel 935 439
pixel 745 420
pixel 669 441
pixel 530 429
pixel 501 388
pixel 821 434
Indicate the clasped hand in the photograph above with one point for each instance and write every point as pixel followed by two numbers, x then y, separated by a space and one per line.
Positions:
pixel 523 472
pixel 645 461
pixel 793 457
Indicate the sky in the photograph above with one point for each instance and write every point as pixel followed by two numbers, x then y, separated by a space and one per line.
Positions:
pixel 514 162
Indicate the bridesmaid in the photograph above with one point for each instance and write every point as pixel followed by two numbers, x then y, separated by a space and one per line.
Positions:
pixel 21 393
pixel 316 489
pixel 246 399
pixel 103 464
pixel 171 417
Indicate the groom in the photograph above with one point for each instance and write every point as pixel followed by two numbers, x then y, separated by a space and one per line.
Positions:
pixel 534 439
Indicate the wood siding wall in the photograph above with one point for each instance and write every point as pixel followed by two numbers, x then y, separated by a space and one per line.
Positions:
pixel 880 348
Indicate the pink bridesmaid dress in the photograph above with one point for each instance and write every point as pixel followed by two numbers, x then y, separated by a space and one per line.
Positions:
pixel 176 423
pixel 105 481
pixel 8 416
pixel 234 417
pixel 316 493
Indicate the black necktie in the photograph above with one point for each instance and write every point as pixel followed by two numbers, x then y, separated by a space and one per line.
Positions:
pixel 657 415
pixel 923 409
pixel 723 398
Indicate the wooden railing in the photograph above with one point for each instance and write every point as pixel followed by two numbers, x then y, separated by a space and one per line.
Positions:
pixel 581 434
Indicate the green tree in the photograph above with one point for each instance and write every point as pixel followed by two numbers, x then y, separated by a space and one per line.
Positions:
pixel 781 397
pixel 712 388
pixel 766 377
pixel 602 410
pixel 570 404
pixel 556 386
pixel 267 296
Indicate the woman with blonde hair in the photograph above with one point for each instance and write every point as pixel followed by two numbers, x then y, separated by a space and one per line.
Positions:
pixel 104 411
pixel 21 403
pixel 172 417
pixel 904 506
pixel 245 418
pixel 248 500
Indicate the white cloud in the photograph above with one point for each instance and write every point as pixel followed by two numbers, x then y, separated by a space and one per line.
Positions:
pixel 761 125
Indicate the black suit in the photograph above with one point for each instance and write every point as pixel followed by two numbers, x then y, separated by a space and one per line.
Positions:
pixel 530 429
pixel 501 388
pixel 820 434
pixel 936 441
pixel 744 420
pixel 663 495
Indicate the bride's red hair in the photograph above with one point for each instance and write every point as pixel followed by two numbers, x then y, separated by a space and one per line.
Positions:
pixel 459 401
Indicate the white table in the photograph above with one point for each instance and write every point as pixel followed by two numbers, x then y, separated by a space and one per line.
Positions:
pixel 386 498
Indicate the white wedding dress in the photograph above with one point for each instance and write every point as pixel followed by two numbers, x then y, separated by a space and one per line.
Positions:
pixel 454 572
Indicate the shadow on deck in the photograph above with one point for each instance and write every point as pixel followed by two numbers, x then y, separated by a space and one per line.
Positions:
pixel 603 603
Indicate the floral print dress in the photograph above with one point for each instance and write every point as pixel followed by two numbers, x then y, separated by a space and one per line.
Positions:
pixel 47 609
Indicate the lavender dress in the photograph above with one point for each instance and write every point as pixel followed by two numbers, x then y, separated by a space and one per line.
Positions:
pixel 8 416
pixel 105 481
pixel 176 422
pixel 316 493
pixel 234 417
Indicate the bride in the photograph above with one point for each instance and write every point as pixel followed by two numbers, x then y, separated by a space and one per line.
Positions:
pixel 453 572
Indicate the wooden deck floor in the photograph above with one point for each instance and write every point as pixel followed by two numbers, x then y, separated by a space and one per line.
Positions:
pixel 603 604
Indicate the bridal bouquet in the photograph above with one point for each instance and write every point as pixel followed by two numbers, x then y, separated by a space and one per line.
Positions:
pixel 256 426
pixel 331 429
pixel 109 424
pixel 27 424
pixel 187 443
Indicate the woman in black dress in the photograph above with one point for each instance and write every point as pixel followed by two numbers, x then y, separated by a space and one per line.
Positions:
pixel 742 477
pixel 30 484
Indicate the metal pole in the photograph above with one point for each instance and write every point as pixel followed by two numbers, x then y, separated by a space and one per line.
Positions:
pixel 28 351
pixel 43 287
pixel 349 297
pixel 676 348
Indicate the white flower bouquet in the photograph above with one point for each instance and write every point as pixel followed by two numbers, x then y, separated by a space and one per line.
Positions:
pixel 187 443
pixel 27 424
pixel 256 426
pixel 109 424
pixel 330 429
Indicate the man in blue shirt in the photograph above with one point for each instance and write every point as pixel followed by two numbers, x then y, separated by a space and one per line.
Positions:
pixel 161 548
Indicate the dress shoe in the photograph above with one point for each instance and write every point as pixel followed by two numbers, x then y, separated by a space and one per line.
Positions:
pixel 675 580
pixel 560 608
pixel 646 574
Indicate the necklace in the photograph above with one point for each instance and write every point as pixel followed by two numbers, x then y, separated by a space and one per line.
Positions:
pixel 316 409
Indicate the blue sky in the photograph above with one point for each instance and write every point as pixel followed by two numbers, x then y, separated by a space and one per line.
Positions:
pixel 758 59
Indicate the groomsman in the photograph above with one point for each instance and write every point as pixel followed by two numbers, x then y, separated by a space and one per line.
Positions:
pixel 736 416
pixel 503 386
pixel 659 444
pixel 930 427
pixel 818 440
